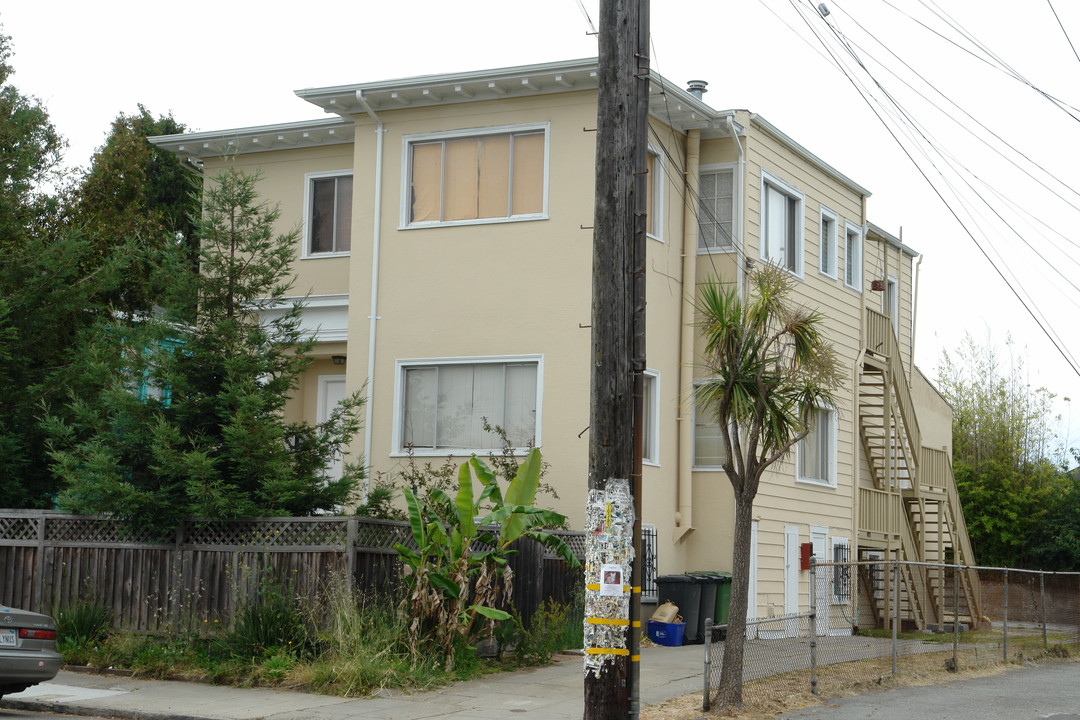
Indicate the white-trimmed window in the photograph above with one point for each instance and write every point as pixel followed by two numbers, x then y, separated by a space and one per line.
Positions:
pixel 328 213
pixel 709 450
pixel 475 176
pixel 441 404
pixel 853 247
pixel 654 200
pixel 827 239
pixel 650 435
pixel 816 454
pixel 716 209
pixel 781 224
pixel 890 303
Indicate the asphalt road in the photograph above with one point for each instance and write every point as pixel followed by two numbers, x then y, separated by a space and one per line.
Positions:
pixel 1049 692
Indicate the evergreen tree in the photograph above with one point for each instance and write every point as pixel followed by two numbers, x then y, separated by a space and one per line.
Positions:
pixel 189 419
pixel 142 198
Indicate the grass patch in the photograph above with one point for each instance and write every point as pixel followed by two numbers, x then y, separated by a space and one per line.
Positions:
pixel 349 646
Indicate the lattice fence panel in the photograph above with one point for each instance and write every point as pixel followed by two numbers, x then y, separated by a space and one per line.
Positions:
pixel 575 540
pixel 381 535
pixel 18 528
pixel 286 533
pixel 96 531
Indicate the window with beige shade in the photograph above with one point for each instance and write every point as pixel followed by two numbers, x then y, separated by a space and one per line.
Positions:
pixel 471 177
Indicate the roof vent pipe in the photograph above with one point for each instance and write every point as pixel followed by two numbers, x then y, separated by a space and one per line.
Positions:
pixel 696 88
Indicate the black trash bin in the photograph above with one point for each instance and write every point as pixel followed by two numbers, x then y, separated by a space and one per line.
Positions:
pixel 685 592
pixel 710 586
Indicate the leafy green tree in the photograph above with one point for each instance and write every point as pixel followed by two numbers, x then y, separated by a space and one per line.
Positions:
pixel 188 420
pixel 49 290
pixel 30 150
pixel 142 198
pixel 769 367
pixel 1006 460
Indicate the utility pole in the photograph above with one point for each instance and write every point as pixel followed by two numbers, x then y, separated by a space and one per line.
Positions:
pixel 613 510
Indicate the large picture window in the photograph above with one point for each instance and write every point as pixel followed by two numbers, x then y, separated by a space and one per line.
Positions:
pixel 329 213
pixel 468 178
pixel 442 405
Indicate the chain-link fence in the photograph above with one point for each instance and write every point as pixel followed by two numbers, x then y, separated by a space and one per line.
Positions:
pixel 878 619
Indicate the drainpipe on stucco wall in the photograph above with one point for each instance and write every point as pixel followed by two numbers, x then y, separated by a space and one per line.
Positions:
pixel 373 316
pixel 685 486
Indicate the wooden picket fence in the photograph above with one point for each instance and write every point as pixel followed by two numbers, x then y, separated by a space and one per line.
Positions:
pixel 50 560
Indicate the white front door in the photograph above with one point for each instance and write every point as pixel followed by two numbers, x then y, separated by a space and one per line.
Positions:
pixel 331 392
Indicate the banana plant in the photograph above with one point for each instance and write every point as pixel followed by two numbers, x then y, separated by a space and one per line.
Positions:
pixel 459 571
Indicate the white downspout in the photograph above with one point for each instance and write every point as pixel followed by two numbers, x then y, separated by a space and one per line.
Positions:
pixel 739 203
pixel 685 486
pixel 373 316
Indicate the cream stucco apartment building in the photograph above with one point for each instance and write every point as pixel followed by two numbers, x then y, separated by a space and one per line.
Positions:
pixel 446 251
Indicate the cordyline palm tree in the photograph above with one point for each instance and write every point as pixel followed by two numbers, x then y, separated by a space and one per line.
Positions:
pixel 769 367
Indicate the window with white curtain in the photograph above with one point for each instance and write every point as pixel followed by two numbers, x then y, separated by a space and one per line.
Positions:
pixel 469 177
pixel 781 223
pixel 816 455
pixel 443 404
pixel 716 209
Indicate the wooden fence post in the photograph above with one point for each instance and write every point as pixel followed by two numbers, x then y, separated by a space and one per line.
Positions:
pixel 350 550
pixel 40 579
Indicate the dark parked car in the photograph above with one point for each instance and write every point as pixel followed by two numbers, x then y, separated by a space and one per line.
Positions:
pixel 27 650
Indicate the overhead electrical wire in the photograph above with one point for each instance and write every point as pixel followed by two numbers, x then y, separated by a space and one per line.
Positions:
pixel 874 104
pixel 1063 30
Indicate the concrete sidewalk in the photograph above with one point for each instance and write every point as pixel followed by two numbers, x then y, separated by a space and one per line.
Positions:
pixel 554 692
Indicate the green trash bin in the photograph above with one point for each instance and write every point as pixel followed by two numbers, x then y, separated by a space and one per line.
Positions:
pixel 719 610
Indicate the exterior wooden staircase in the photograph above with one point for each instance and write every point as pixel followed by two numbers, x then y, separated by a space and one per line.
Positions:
pixel 912 513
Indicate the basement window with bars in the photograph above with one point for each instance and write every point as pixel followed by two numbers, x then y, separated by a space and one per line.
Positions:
pixel 841 574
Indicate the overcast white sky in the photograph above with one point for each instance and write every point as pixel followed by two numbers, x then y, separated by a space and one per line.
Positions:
pixel 226 64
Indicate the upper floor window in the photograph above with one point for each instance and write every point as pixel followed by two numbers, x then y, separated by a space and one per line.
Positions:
pixel 328 213
pixel 853 257
pixel 781 223
pixel 827 242
pixel 442 404
pixel 816 455
pixel 654 200
pixel 469 177
pixel 716 210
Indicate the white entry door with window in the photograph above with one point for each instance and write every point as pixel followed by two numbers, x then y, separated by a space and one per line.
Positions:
pixel 331 392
